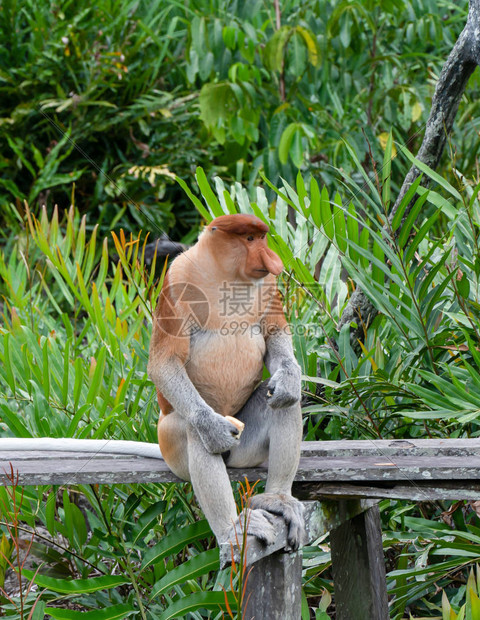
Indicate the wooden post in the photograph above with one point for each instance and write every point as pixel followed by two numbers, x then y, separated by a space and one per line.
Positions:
pixel 360 589
pixel 274 588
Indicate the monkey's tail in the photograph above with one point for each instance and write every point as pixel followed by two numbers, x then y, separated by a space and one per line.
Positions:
pixel 105 446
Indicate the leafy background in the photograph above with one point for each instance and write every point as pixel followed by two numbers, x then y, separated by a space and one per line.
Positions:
pixel 137 118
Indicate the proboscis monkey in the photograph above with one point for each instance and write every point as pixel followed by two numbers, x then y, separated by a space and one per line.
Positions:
pixel 218 321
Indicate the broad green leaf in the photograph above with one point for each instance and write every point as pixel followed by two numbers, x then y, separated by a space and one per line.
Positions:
pixel 399 213
pixel 386 171
pixel 176 540
pixel 326 214
pixel 315 203
pixel 352 232
pixel 302 195
pixel 13 421
pixel 198 205
pixel 50 512
pixel 420 236
pixel 98 374
pixel 339 224
pixel 149 518
pixel 207 192
pixel 107 613
pixel 310 43
pixel 7 360
pixel 407 227
pixel 200 564
pixel 296 148
pixel 274 51
pixel 77 586
pixel 213 600
pixel 286 141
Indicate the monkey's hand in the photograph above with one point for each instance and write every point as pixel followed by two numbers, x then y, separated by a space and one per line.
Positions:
pixel 217 433
pixel 284 387
pixel 259 523
pixel 289 508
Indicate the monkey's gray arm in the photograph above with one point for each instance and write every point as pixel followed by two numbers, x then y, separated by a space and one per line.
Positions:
pixel 285 382
pixel 172 380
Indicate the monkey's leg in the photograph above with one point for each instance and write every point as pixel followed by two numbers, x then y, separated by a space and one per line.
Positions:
pixel 278 434
pixel 213 489
pixel 172 438
pixel 188 458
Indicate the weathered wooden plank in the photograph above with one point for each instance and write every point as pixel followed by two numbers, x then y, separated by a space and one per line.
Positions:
pixel 320 517
pixel 416 491
pixel 87 468
pixel 401 468
pixel 390 448
pixel 358 565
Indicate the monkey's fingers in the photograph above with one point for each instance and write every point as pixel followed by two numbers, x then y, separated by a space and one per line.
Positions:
pixel 238 424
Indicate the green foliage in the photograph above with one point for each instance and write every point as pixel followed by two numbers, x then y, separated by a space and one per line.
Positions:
pixel 419 369
pixel 471 608
pixel 108 96
pixel 82 90
pixel 73 352
pixel 108 104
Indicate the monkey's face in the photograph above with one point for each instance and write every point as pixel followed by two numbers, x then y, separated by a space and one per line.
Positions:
pixel 240 242
pixel 259 259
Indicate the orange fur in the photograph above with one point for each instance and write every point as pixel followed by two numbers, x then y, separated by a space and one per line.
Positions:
pixel 240 224
pixel 224 360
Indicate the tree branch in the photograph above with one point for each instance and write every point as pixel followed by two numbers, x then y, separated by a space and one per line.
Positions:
pixel 458 68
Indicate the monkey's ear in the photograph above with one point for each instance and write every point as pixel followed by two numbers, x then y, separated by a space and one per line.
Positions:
pixel 239 224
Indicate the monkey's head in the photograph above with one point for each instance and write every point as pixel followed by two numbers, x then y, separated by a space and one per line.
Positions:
pixel 240 243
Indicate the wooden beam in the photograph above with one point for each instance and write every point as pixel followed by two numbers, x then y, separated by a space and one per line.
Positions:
pixel 36 468
pixel 392 447
pixel 419 491
pixel 359 580
pixel 320 517
pixel 274 584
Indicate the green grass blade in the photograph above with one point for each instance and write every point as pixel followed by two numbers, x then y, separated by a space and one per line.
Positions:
pixel 199 565
pixel 78 586
pixel 198 600
pixel 207 192
pixel 123 610
pixel 430 173
pixel 198 205
pixel 176 540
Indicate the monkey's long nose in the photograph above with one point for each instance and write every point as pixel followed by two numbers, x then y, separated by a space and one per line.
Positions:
pixel 272 262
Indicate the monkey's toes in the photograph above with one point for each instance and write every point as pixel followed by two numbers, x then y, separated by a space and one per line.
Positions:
pixel 258 523
pixel 287 507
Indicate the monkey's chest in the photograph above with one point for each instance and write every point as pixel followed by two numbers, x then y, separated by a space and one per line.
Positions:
pixel 226 368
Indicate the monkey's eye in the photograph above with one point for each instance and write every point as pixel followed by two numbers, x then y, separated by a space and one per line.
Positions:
pixel 263 236
pixel 250 238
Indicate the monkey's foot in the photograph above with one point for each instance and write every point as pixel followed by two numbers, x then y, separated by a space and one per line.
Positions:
pixel 258 523
pixel 289 508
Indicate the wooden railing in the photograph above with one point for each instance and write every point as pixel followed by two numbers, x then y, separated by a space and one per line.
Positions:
pixel 341 481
